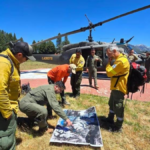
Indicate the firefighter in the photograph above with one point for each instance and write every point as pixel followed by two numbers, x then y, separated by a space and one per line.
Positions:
pixel 76 79
pixel 10 60
pixel 118 72
pixel 59 73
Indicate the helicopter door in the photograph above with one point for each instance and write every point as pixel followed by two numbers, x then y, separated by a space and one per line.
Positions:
pixel 85 54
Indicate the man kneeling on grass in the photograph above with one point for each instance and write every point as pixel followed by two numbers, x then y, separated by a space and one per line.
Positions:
pixel 33 105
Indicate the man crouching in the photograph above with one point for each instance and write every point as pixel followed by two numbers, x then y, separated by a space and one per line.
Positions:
pixel 33 104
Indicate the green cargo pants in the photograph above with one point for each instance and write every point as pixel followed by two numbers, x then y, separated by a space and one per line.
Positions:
pixel 75 83
pixel 116 103
pixel 34 111
pixel 7 132
pixel 93 73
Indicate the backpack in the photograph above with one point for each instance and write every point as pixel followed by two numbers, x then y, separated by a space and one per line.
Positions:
pixel 12 66
pixel 25 88
pixel 137 77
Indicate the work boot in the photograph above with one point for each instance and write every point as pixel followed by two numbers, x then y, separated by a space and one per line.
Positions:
pixel 46 129
pixel 117 126
pixel 96 87
pixel 35 128
pixel 65 102
pixel 109 119
pixel 77 96
pixel 71 95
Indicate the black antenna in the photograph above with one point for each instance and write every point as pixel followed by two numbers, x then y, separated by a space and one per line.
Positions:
pixel 90 39
pixel 113 41
pixel 127 41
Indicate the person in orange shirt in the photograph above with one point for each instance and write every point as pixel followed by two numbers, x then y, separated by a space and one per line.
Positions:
pixel 61 72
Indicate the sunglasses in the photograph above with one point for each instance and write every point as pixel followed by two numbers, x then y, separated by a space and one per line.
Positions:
pixel 25 56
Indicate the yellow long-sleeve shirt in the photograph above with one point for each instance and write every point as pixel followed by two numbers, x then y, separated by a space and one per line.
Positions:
pixel 79 62
pixel 120 67
pixel 9 85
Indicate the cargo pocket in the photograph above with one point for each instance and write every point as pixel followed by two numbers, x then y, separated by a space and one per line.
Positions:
pixel 14 87
pixel 7 132
pixel 8 142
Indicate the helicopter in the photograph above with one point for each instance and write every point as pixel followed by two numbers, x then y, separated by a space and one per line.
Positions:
pixel 100 48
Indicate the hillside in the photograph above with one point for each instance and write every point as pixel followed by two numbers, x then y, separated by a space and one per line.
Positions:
pixel 140 48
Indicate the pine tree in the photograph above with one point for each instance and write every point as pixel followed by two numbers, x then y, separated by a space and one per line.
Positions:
pixel 21 39
pixel 66 41
pixel 10 37
pixel 35 47
pixel 50 47
pixel 59 43
pixel 14 37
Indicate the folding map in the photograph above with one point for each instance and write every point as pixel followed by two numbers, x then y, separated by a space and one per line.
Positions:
pixel 85 129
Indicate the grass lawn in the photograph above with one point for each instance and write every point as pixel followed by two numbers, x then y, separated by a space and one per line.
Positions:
pixel 135 135
pixel 35 65
pixel 136 127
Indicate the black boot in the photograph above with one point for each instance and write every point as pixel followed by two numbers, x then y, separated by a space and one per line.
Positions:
pixel 64 102
pixel 109 119
pixel 117 126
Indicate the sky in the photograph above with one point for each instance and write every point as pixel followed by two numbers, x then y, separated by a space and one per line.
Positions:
pixel 41 19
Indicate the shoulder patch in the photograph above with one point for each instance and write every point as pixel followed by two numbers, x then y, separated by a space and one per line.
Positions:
pixel 81 62
pixel 114 66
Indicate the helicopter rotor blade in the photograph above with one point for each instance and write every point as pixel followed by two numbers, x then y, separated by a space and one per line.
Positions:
pixel 122 15
pixel 13 42
pixel 68 33
pixel 93 25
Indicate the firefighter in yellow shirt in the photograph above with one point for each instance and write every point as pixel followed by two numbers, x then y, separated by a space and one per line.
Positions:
pixel 10 60
pixel 76 79
pixel 118 73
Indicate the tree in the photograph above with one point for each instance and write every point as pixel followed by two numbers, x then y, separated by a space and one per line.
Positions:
pixel 42 48
pixel 2 40
pixel 35 47
pixel 21 39
pixel 66 41
pixel 50 47
pixel 5 38
pixel 10 37
pixel 59 43
pixel 15 37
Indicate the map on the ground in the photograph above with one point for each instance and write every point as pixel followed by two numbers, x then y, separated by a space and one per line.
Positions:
pixel 85 129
